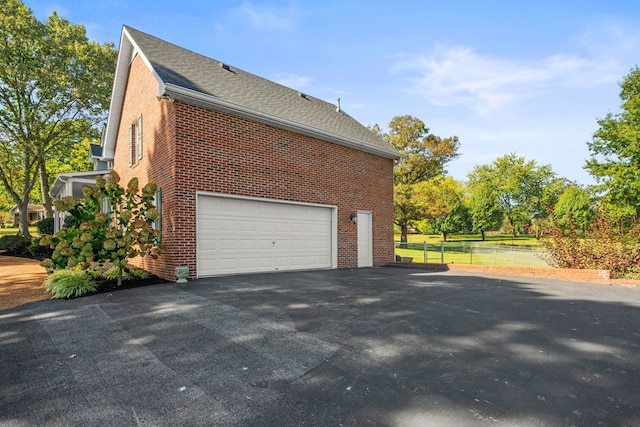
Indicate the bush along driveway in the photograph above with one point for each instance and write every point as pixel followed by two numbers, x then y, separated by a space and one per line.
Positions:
pixel 385 346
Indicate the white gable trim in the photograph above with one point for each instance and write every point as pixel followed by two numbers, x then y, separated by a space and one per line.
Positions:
pixel 128 51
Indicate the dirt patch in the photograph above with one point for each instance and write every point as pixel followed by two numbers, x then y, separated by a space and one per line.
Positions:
pixel 21 281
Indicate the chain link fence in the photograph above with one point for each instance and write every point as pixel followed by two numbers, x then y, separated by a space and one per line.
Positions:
pixel 469 253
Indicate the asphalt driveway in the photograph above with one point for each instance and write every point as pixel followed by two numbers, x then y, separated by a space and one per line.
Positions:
pixel 386 346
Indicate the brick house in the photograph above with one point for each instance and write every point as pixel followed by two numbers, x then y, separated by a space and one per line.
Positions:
pixel 253 176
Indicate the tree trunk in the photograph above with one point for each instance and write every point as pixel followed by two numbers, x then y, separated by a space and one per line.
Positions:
pixel 44 187
pixel 24 218
pixel 22 202
pixel 482 235
pixel 444 236
pixel 403 235
pixel 512 224
pixel 120 268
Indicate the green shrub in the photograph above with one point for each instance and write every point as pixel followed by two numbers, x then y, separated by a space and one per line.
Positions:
pixel 68 283
pixel 70 221
pixel 138 273
pixel 610 244
pixel 15 245
pixel 128 273
pixel 126 230
pixel 45 226
pixel 47 263
pixel 39 251
pixel 94 274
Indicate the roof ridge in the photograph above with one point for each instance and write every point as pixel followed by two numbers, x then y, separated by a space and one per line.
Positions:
pixel 194 78
pixel 193 52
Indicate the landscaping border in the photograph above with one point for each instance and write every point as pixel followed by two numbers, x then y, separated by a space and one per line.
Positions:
pixel 570 274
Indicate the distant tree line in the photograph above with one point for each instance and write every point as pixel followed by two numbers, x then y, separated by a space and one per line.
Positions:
pixel 582 227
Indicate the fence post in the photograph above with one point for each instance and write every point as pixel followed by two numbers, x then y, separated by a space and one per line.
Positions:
pixel 470 254
pixel 425 251
pixel 441 252
pixel 531 257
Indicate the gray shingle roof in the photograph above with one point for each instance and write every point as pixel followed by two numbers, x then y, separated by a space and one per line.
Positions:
pixel 183 68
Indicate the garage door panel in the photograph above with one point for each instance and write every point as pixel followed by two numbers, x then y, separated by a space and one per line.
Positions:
pixel 243 236
pixel 296 245
pixel 223 224
pixel 246 244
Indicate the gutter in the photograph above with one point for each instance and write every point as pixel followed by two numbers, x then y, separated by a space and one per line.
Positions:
pixel 58 184
pixel 211 102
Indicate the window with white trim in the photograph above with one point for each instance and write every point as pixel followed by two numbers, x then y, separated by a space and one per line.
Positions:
pixel 135 141
pixel 157 202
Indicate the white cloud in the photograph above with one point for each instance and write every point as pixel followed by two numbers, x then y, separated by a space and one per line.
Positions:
pixel 293 81
pixel 458 75
pixel 461 76
pixel 610 39
pixel 614 47
pixel 269 18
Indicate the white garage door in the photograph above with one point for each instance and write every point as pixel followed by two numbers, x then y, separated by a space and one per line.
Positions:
pixel 250 236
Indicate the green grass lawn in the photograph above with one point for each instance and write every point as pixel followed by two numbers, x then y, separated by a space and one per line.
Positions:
pixel 471 249
pixel 12 231
pixel 490 239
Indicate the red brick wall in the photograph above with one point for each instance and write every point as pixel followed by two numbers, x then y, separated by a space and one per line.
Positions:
pixel 195 149
pixel 158 133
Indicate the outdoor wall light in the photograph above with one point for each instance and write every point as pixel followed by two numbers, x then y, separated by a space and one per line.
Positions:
pixel 353 218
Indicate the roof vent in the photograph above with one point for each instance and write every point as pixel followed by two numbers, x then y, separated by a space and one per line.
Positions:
pixel 338 106
pixel 224 66
pixel 303 95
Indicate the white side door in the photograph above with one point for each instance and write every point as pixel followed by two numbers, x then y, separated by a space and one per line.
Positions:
pixel 365 239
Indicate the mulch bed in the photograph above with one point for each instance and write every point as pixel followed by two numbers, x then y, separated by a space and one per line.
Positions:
pixel 105 286
pixel 18 287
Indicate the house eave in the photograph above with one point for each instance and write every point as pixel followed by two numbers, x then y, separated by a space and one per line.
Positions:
pixel 126 53
pixel 62 179
pixel 214 103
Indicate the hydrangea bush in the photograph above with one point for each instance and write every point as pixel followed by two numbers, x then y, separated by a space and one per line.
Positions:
pixel 111 223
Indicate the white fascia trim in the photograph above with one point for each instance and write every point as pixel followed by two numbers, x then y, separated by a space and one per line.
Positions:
pixel 218 104
pixel 58 184
pixel 126 54
pixel 84 174
pixel 88 177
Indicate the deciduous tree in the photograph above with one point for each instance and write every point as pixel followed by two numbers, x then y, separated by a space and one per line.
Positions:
pixel 55 86
pixel 424 156
pixel 615 149
pixel 521 189
pixel 445 209
pixel 574 209
pixel 486 214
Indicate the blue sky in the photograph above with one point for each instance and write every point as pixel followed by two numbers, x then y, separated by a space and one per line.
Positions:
pixel 530 77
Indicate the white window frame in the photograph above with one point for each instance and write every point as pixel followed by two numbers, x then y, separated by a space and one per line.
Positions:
pixel 157 202
pixel 135 141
